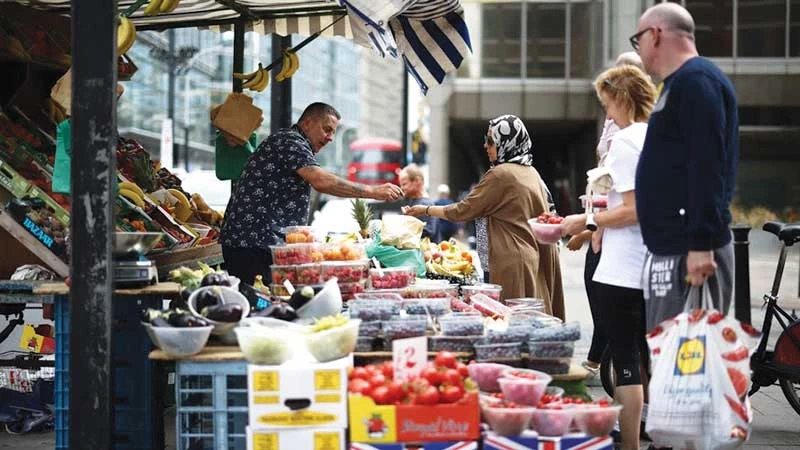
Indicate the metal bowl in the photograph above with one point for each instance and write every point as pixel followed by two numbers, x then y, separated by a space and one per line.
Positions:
pixel 129 244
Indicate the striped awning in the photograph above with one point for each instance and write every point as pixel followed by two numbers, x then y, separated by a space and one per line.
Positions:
pixel 283 17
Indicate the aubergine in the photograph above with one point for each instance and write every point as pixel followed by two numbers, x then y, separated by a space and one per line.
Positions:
pixel 160 322
pixel 216 279
pixel 186 320
pixel 231 312
pixel 280 311
pixel 301 296
pixel 208 297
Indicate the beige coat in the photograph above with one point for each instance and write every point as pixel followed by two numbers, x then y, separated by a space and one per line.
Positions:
pixel 508 195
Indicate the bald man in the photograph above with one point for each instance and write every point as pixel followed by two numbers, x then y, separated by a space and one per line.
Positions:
pixel 687 169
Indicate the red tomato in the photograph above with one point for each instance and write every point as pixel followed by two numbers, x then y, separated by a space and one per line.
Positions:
pixel 396 391
pixel 451 394
pixel 359 386
pixel 462 369
pixel 452 377
pixel 387 369
pixel 433 376
pixel 377 380
pixel 430 396
pixel 381 395
pixel 446 359
pixel 359 372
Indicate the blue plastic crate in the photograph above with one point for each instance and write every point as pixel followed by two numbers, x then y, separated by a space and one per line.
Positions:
pixel 135 414
pixel 211 405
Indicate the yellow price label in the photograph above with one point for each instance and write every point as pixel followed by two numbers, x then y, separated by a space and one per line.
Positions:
pixel 265 441
pixel 266 382
pixel 327 380
pixel 328 440
pixel 266 400
pixel 327 398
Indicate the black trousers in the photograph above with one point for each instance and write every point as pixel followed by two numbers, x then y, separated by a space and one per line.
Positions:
pixel 599 339
pixel 246 263
pixel 622 314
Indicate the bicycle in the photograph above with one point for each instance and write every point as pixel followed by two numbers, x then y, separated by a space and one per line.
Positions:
pixel 783 363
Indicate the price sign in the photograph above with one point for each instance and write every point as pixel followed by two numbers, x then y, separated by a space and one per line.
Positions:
pixel 409 357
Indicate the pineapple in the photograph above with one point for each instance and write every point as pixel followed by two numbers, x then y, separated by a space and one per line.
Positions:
pixel 362 214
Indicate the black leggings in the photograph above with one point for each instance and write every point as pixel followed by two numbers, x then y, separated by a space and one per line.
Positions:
pixel 622 314
pixel 246 263
pixel 599 340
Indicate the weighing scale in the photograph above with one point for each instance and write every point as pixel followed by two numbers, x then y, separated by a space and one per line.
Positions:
pixel 131 267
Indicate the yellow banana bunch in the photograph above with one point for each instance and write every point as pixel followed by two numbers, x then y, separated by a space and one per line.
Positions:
pixel 183 209
pixel 167 6
pixel 133 193
pixel 289 65
pixel 126 35
pixel 255 81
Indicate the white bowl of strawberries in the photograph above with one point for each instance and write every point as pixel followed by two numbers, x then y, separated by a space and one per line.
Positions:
pixel 546 228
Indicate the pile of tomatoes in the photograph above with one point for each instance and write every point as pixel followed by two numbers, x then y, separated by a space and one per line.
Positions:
pixel 551 218
pixel 443 380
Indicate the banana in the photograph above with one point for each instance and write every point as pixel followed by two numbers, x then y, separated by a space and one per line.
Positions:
pixel 264 82
pixel 258 78
pixel 132 196
pixel 167 6
pixel 183 210
pixel 286 67
pixel 174 6
pixel 126 35
pixel 295 63
pixel 153 7
pixel 132 187
pixel 246 76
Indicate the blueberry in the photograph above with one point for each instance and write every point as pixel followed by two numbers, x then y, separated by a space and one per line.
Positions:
pixel 567 332
pixel 550 366
pixel 369 328
pixel 563 349
pixel 492 352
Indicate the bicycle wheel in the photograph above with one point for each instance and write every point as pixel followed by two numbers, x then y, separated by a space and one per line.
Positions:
pixel 791 389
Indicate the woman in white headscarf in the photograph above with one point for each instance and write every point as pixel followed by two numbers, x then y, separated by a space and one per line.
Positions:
pixel 510 193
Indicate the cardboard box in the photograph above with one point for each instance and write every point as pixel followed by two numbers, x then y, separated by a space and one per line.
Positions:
pixel 295 439
pixel 451 445
pixel 371 423
pixel 58 212
pixel 531 441
pixel 298 394
pixel 12 181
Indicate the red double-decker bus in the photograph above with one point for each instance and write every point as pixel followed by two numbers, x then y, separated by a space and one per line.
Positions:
pixel 375 161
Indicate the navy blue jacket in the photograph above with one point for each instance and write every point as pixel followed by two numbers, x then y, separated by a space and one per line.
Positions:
pixel 687 171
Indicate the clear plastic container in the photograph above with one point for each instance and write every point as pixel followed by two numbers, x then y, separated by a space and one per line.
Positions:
pixel 392 277
pixel 461 324
pixel 486 375
pixel 599 201
pixel 349 290
pixel 460 344
pixel 567 332
pixel 524 391
pixel 345 271
pixel 179 342
pixel 513 333
pixel 596 420
pixel 365 344
pixel 334 343
pixel 526 304
pixel 489 307
pixel 278 290
pixel 507 421
pixel 545 233
pixel 308 274
pixel 369 328
pixel 551 349
pixel 326 303
pixel 229 296
pixel 293 254
pixel 552 366
pixel 494 352
pixel 343 252
pixel 552 421
pixel 268 345
pixel 298 234
pixel 373 309
pixel 283 273
pixel 371 294
pixel 427 306
pixel 457 304
pixel 404 328
pixel 430 291
pixel 490 290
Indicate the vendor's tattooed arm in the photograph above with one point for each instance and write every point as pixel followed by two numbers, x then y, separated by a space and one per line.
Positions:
pixel 328 183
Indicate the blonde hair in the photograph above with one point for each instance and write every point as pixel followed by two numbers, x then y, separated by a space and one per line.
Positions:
pixel 414 172
pixel 630 88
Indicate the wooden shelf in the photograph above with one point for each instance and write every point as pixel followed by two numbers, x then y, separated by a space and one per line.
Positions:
pixel 38 249
pixel 209 254
pixel 59 288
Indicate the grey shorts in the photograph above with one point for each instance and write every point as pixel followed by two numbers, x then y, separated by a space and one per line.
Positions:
pixel 665 287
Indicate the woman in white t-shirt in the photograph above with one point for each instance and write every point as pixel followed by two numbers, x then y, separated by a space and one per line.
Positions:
pixel 628 96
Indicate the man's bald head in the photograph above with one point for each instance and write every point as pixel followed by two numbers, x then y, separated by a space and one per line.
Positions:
pixel 670 16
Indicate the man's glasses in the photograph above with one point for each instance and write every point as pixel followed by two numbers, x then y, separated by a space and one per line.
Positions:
pixel 634 40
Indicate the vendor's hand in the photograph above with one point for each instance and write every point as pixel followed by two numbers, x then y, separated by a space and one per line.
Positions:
pixel 576 242
pixel 597 240
pixel 573 224
pixel 387 192
pixel 416 210
pixel 699 266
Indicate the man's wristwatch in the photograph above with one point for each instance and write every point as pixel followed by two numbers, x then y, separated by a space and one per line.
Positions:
pixel 591 225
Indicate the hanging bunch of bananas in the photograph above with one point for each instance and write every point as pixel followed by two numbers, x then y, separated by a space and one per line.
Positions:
pixel 255 81
pixel 133 193
pixel 155 7
pixel 289 65
pixel 126 35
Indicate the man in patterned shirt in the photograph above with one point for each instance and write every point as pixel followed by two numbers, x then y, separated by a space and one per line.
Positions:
pixel 274 190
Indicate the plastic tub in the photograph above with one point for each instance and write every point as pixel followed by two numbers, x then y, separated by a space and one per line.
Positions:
pixel 526 304
pixel 353 288
pixel 551 349
pixel 534 319
pixel 507 421
pixel 327 302
pixel 567 332
pixel 490 307
pixel 598 201
pixel 272 344
pixel 555 392
pixel 404 328
pixel 459 344
pixel 281 273
pixel 427 306
pixel 293 254
pixel 369 328
pixel 513 333
pixel 461 324
pixel 308 274
pixel 299 234
pixel 459 305
pixel 371 294
pixel 373 309
pixel 365 344
pixel 334 343
pixel 545 233
pixel 490 290
pixel 552 366
pixel 596 420
pixel 346 272
pixel 392 277
pixel 486 375
pixel 343 252
pixel 553 421
pixel 229 295
pixel 493 352
pixel 430 290
pixel 179 342
pixel 524 391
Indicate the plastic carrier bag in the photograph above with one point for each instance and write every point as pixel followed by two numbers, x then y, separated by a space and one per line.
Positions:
pixel 390 256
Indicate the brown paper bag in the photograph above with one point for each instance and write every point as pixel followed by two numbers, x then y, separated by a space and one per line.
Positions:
pixel 238 116
pixel 62 92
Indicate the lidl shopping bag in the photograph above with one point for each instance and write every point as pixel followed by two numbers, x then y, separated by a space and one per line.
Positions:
pixel 698 392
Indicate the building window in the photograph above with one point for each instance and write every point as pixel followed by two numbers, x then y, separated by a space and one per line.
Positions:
pixel 762 28
pixel 713 26
pixel 546 40
pixel 501 47
pixel 794 29
pixel 586 45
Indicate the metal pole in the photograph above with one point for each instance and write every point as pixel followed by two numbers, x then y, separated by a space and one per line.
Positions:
pixel 171 69
pixel 238 53
pixel 94 143
pixel 741 255
pixel 281 101
pixel 404 119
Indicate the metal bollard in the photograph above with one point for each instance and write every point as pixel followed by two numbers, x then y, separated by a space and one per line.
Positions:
pixel 741 263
